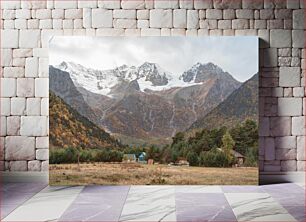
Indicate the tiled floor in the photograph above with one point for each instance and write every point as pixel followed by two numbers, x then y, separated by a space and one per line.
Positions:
pixel 39 202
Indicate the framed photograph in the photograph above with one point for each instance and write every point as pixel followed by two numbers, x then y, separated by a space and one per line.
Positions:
pixel 153 110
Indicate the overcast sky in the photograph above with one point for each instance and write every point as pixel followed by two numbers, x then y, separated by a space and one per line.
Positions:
pixel 236 55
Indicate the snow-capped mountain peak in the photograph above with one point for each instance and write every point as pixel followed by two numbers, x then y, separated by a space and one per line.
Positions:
pixel 148 76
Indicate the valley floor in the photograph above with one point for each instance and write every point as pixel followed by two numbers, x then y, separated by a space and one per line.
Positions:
pixel 142 174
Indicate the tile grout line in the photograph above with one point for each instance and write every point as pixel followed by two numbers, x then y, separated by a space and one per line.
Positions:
pixel 124 203
pixel 19 205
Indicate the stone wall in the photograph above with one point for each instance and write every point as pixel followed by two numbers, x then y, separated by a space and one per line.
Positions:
pixel 27 25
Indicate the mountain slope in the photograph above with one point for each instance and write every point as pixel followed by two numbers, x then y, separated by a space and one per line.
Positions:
pixel 143 102
pixel 240 105
pixel 69 129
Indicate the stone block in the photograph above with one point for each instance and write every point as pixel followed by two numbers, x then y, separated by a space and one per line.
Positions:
pixel 298 92
pixel 298 126
pixel 124 14
pixel 66 4
pixel 142 24
pixel 10 5
pixel 280 38
pixel 125 23
pixel 298 38
pixel 203 4
pixel 102 18
pixel 301 148
pixel 43 67
pixel 285 142
pixel 285 154
pixel 41 87
pixel 214 14
pixel 245 14
pixel 269 148
pixel 58 13
pixel 252 4
pixel 18 166
pixel 283 14
pixel 87 17
pixel 298 19
pixel 29 38
pixel 240 24
pixel 18 106
pixel 34 165
pixel 293 4
pixel 266 14
pixel 43 13
pixel 3 132
pixel 229 14
pixel 6 57
pixel 270 57
pixel 150 32
pixel 34 126
pixel 8 87
pixel 280 126
pixel 20 23
pixel 5 107
pixel 33 106
pixel 19 148
pixel 25 87
pixel 289 106
pixel 42 142
pixel 160 18
pixel 73 13
pixel 143 14
pixel 179 18
pixel 224 24
pixel 13 125
pixel 133 4
pixel 288 165
pixel 33 23
pixel 9 38
pixel 264 39
pixel 42 154
pixel 13 72
pixel 87 4
pixel 45 165
pixel 227 4
pixel 166 4
pixel 22 53
pixel 289 76
pixel 301 166
pixel 264 126
pixel 109 4
pixel 186 4
pixel 192 19
pixel 31 67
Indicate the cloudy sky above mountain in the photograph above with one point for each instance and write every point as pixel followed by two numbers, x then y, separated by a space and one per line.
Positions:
pixel 236 55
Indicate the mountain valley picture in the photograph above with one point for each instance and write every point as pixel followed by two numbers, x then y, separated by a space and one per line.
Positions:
pixel 153 110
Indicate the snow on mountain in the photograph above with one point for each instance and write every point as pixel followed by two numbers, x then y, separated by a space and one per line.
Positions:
pixel 148 75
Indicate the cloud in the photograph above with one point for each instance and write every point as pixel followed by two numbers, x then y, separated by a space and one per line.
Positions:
pixel 236 55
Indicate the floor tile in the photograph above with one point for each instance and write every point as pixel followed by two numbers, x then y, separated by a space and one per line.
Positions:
pixel 282 188
pixel 203 207
pixel 257 207
pixel 242 189
pixel 97 203
pixel 298 212
pixel 149 203
pixel 14 194
pixel 22 187
pixel 290 199
pixel 47 205
pixel 198 189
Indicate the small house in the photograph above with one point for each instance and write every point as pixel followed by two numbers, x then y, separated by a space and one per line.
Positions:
pixel 129 158
pixel 142 157
pixel 239 157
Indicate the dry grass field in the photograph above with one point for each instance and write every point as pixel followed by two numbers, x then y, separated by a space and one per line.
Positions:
pixel 139 174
